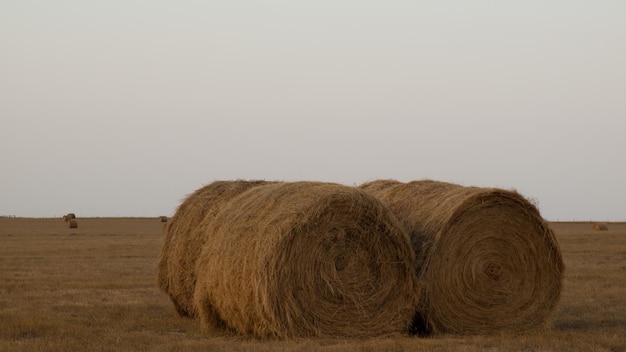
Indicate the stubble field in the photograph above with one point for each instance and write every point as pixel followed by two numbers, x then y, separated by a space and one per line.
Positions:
pixel 93 288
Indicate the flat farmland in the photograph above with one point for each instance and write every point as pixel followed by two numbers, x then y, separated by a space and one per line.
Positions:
pixel 93 288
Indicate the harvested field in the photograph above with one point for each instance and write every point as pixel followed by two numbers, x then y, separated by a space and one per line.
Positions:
pixel 94 288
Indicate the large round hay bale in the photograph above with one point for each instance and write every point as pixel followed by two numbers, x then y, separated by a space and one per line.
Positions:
pixel 306 259
pixel 600 226
pixel 182 240
pixel 486 259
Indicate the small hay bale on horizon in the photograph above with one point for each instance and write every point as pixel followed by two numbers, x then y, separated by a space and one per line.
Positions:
pixel 163 218
pixel 306 259
pixel 72 223
pixel 487 261
pixel 600 226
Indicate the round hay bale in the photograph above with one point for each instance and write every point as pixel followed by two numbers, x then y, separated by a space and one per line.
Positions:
pixel 599 226
pixel 306 259
pixel 72 223
pixel 486 259
pixel 182 240
pixel 70 216
pixel 163 218
pixel 378 185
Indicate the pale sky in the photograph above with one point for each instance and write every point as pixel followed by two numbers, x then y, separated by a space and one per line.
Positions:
pixel 122 108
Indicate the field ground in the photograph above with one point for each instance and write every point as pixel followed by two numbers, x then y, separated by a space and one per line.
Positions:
pixel 93 288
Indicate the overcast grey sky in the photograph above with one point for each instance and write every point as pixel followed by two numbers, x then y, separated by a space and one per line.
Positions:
pixel 121 108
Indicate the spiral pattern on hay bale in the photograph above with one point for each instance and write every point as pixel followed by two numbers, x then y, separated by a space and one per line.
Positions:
pixel 306 259
pixel 486 260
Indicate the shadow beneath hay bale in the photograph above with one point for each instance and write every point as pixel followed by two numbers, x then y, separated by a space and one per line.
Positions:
pixel 419 327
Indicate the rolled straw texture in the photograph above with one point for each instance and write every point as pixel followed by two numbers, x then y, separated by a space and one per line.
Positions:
pixel 307 259
pixel 486 259
pixel 182 240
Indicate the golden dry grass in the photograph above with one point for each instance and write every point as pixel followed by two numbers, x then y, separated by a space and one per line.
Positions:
pixel 94 289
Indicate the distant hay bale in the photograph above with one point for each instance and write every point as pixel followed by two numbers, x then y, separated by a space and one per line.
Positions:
pixel 163 218
pixel 72 223
pixel 486 259
pixel 600 226
pixel 306 259
pixel 183 241
pixel 69 216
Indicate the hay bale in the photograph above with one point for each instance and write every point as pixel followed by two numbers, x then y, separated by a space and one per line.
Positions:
pixel 600 226
pixel 486 259
pixel 69 216
pixel 72 223
pixel 182 240
pixel 163 218
pixel 306 259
